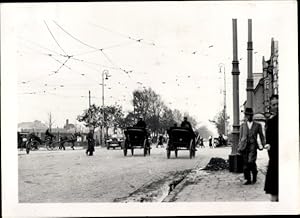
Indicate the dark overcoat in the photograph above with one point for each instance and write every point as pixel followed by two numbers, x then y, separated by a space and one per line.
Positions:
pixel 91 142
pixel 250 152
pixel 271 183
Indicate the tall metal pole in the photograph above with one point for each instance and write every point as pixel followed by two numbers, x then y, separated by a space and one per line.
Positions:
pixel 235 81
pixel 235 159
pixel 89 98
pixel 249 88
pixel 103 88
pixel 104 72
pixel 224 92
pixel 225 107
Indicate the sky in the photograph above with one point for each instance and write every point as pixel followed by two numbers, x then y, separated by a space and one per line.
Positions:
pixel 182 50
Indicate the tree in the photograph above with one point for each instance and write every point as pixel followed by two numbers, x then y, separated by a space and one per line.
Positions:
pixel 167 119
pixel 128 120
pixel 92 117
pixel 177 116
pixel 219 122
pixel 113 116
pixel 148 105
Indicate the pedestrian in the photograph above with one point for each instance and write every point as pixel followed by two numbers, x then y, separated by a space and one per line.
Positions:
pixel 160 141
pixel 201 143
pixel 248 146
pixel 91 143
pixel 62 143
pixel 210 141
pixel 221 140
pixel 271 181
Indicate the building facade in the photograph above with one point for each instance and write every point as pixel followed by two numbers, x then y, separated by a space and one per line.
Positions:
pixel 265 85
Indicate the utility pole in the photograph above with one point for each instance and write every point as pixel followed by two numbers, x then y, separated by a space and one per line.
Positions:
pixel 104 73
pixel 235 160
pixel 249 88
pixel 89 98
pixel 224 92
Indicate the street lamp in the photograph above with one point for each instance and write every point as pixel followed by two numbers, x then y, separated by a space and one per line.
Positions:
pixel 104 73
pixel 224 91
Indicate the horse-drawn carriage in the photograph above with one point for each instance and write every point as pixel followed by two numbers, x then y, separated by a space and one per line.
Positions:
pixel 33 142
pixel 181 139
pixel 136 137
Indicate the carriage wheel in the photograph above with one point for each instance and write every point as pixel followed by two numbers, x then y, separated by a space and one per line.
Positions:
pixel 176 153
pixel 191 149
pixel 48 145
pixel 194 151
pixel 35 145
pixel 54 145
pixel 168 153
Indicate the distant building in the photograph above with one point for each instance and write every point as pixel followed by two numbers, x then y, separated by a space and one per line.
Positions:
pixel 35 126
pixel 265 85
pixel 69 126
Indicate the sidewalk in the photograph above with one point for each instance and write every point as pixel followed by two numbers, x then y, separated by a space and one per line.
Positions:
pixel 221 186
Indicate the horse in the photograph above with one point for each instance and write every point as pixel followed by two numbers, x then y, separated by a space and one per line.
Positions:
pixel 68 139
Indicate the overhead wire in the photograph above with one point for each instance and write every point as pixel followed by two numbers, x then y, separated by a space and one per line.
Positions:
pixel 54 37
pixel 78 40
pixel 90 46
pixel 40 46
pixel 152 43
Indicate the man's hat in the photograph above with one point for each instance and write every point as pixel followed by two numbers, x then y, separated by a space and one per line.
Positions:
pixel 248 111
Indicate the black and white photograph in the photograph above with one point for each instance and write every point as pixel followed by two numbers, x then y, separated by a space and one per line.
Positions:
pixel 152 108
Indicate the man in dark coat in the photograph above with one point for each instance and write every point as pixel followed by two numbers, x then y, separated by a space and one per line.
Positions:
pixel 186 124
pixel 271 182
pixel 141 123
pixel 91 143
pixel 248 145
pixel 49 135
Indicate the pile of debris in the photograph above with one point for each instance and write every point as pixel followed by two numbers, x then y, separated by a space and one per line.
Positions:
pixel 216 164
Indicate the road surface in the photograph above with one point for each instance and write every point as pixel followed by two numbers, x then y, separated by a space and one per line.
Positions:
pixel 70 176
